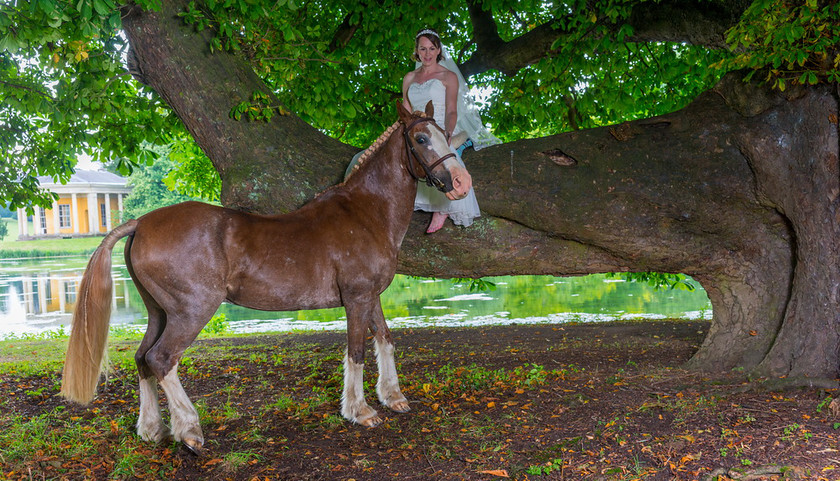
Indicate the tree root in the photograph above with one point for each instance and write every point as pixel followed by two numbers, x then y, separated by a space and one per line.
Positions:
pixel 791 383
pixel 756 473
pixel 788 384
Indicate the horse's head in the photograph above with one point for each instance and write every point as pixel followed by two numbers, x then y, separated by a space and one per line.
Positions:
pixel 428 149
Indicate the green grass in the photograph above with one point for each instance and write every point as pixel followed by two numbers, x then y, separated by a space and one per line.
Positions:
pixel 62 442
pixel 23 357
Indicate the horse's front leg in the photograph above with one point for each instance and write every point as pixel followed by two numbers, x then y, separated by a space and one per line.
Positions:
pixel 354 408
pixel 388 385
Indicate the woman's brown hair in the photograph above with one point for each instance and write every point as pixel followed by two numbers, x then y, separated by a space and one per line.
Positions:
pixel 433 37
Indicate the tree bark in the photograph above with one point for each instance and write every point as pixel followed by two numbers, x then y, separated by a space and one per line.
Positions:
pixel 691 21
pixel 739 190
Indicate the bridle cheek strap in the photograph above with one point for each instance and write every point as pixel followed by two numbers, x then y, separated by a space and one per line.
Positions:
pixel 431 180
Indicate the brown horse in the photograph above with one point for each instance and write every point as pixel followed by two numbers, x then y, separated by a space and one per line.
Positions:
pixel 339 249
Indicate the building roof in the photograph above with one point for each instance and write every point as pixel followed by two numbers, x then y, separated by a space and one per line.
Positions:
pixel 86 177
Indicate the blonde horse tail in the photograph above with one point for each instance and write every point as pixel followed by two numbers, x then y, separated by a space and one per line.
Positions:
pixel 89 331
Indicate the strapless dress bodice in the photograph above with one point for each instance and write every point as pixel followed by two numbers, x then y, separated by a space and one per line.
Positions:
pixel 432 89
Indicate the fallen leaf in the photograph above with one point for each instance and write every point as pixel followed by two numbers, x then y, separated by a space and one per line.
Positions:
pixel 502 473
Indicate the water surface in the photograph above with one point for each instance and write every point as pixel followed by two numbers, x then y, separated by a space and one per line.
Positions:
pixel 38 295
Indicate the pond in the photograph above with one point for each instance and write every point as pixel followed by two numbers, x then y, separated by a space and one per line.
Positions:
pixel 38 295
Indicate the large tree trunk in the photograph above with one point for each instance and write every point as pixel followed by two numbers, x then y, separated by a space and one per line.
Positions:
pixel 739 190
pixel 264 166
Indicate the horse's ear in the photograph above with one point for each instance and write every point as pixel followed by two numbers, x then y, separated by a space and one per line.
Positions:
pixel 430 109
pixel 405 115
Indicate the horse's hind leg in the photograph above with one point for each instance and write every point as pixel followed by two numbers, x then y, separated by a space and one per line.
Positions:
pixel 162 359
pixel 388 385
pixel 150 425
pixel 354 408
pixel 185 423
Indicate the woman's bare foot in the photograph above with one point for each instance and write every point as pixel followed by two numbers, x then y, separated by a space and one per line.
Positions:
pixel 438 218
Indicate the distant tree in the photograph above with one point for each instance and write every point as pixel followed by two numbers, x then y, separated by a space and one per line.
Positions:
pixel 149 189
pixel 4 229
pixel 6 212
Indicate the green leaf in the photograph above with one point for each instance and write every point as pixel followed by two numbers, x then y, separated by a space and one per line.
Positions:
pixel 349 110
pixel 101 7
pixel 115 21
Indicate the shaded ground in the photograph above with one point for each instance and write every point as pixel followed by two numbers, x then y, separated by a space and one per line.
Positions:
pixel 524 402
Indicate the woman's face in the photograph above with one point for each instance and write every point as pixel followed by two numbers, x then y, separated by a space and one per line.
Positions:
pixel 427 51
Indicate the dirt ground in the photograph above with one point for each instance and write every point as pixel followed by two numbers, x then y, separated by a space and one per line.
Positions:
pixel 605 402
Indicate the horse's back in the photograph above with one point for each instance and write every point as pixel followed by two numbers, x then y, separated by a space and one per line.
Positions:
pixel 173 228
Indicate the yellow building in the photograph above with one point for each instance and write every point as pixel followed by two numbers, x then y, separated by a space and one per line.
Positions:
pixel 87 205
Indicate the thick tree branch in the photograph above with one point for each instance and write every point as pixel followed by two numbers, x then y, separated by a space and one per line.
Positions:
pixel 253 157
pixel 344 33
pixel 509 57
pixel 692 21
pixel 485 30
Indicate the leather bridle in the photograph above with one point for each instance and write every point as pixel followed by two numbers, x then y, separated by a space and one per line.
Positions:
pixel 431 180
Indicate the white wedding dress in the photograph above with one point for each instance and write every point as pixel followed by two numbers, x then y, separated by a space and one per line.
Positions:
pixel 463 211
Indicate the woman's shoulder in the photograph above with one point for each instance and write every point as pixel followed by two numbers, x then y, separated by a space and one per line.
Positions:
pixel 447 74
pixel 448 78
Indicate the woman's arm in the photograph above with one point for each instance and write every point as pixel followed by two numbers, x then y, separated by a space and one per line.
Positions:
pixel 450 81
pixel 409 77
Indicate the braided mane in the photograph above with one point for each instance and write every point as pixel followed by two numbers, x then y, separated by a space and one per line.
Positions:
pixel 374 147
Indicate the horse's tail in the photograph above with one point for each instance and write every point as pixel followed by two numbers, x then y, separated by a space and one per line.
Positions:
pixel 89 331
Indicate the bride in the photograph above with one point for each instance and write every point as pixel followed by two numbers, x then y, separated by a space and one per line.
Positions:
pixel 438 79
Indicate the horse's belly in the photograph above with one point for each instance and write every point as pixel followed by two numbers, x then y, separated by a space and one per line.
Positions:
pixel 284 296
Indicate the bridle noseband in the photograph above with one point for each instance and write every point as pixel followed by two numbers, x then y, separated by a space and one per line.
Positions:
pixel 431 180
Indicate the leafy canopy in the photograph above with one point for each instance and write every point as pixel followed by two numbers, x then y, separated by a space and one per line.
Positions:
pixel 788 42
pixel 339 65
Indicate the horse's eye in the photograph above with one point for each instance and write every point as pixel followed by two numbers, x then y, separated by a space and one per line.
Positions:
pixel 421 139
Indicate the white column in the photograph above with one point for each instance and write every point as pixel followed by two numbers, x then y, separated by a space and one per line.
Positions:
pixel 62 295
pixel 42 293
pixel 56 225
pixel 36 221
pixel 120 206
pixel 28 295
pixel 107 212
pixel 22 224
pixel 74 214
pixel 93 214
